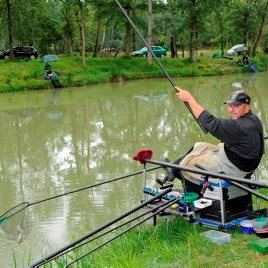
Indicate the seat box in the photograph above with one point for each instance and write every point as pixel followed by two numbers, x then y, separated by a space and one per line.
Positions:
pixel 233 209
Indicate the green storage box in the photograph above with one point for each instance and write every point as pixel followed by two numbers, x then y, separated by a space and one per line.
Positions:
pixel 260 245
pixel 189 197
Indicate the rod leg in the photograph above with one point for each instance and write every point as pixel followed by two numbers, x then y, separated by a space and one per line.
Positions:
pixel 222 204
pixel 154 220
pixel 145 197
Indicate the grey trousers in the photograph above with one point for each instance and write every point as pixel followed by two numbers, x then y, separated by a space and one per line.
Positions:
pixel 212 158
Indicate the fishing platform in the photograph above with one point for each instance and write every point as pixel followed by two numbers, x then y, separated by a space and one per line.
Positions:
pixel 213 209
pixel 221 205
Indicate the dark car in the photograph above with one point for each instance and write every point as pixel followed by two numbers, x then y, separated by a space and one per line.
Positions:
pixel 20 52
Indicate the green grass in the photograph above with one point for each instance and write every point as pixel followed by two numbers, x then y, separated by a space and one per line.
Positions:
pixel 175 243
pixel 28 75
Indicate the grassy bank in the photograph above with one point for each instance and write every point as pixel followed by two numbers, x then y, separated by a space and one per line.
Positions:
pixel 28 75
pixel 171 244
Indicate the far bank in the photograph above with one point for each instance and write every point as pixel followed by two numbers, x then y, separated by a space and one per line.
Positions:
pixel 29 75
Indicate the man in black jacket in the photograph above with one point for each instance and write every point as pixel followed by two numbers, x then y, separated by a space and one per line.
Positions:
pixel 242 145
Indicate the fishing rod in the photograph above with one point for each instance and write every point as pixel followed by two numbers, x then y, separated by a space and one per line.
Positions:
pixel 262 196
pixel 145 155
pixel 208 173
pixel 129 229
pixel 242 186
pixel 111 230
pixel 99 229
pixel 22 206
pixel 158 62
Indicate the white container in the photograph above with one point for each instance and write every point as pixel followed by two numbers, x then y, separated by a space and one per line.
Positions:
pixel 202 203
pixel 217 236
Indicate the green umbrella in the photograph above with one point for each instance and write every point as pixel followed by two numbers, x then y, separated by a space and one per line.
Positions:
pixel 47 58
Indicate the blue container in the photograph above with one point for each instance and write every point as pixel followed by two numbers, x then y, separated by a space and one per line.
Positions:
pixel 246 227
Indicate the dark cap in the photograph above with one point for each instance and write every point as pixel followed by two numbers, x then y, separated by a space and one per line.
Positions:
pixel 239 97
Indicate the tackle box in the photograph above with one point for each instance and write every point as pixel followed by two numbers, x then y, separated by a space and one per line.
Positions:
pixel 260 245
pixel 217 236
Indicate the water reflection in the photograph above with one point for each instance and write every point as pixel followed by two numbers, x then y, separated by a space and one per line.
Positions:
pixel 60 140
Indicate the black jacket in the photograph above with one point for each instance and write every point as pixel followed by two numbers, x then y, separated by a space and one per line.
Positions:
pixel 242 137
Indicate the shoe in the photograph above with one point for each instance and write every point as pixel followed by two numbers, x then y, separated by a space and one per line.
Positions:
pixel 170 176
pixel 162 183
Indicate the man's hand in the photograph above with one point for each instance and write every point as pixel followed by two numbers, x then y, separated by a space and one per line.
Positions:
pixel 186 96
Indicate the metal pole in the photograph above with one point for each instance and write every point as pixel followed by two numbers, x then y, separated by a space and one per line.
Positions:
pixel 209 173
pixel 221 203
pixel 13 211
pixel 134 226
pixel 144 182
pixel 51 256
pixel 153 210
pixel 158 62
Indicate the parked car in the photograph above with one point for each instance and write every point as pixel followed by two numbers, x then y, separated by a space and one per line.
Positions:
pixel 158 51
pixel 20 52
pixel 2 55
pixel 237 50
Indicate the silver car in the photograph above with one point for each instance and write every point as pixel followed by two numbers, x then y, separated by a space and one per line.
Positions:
pixel 237 50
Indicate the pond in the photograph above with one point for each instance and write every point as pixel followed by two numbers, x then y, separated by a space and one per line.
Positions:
pixel 57 141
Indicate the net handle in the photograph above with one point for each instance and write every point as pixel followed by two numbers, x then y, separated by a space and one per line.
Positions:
pixel 13 211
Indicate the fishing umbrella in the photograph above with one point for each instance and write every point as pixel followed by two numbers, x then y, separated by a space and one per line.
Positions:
pixel 49 57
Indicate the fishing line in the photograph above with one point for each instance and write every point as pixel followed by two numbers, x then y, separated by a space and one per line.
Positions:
pixel 157 61
pixel 22 206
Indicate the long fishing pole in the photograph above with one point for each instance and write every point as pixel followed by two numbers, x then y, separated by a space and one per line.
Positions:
pixel 22 206
pixel 109 231
pixel 208 173
pixel 129 229
pixel 99 229
pixel 157 61
pixel 242 186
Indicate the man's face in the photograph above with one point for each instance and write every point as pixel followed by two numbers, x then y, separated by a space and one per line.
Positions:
pixel 236 111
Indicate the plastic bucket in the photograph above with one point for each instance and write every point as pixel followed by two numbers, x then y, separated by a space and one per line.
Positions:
pixel 246 227
pixel 260 223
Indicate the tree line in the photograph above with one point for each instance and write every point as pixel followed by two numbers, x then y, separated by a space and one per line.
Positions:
pixel 89 26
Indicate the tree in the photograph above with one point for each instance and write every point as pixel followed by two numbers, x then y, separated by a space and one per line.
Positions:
pixel 68 25
pixel 243 16
pixel 150 25
pixel 260 33
pixel 81 23
pixel 10 28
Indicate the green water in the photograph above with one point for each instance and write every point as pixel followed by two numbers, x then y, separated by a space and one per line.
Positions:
pixel 57 141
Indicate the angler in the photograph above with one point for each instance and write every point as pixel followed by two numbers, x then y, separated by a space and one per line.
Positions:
pixel 242 145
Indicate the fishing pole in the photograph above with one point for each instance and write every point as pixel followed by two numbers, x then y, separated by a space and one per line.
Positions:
pixel 241 186
pixel 22 206
pixel 111 230
pixel 262 196
pixel 129 229
pixel 99 229
pixel 158 62
pixel 208 173
pixel 144 156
